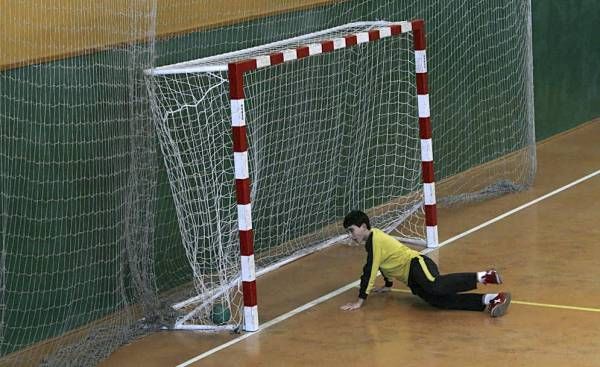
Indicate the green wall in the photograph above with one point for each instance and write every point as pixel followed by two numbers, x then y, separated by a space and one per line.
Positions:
pixel 566 64
pixel 70 201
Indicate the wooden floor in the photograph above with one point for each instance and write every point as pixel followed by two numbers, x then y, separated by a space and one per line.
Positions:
pixel 548 254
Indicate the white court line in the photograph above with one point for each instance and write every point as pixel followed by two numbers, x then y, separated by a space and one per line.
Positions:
pixel 273 322
pixel 355 283
pixel 500 217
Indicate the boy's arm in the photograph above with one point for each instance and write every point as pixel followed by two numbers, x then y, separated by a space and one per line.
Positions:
pixel 367 279
pixel 373 269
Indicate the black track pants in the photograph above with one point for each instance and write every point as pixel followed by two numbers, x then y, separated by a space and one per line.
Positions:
pixel 442 291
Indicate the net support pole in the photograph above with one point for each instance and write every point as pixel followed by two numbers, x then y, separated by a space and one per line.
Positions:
pixel 242 189
pixel 418 28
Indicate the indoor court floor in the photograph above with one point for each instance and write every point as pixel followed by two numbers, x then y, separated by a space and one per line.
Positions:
pixel 545 242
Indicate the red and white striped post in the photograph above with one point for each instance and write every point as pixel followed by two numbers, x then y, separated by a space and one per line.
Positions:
pixel 418 28
pixel 242 189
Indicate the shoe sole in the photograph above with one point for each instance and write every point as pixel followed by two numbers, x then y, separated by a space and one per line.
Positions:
pixel 501 308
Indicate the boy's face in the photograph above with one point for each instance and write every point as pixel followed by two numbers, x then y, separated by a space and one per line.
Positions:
pixel 359 234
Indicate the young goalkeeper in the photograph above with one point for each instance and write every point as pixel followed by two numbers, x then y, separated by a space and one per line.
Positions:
pixel 420 273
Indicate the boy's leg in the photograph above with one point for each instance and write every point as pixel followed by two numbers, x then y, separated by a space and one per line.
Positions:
pixel 425 281
pixel 465 301
pixel 424 272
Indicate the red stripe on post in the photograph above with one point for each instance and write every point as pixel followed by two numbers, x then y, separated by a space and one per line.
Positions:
pixel 430 215
pixel 235 73
pixel 350 40
pixel 236 82
pixel 240 143
pixel 302 52
pixel 419 41
pixel 424 128
pixel 247 65
pixel 249 289
pixel 418 24
pixel 276 58
pixel 422 83
pixel 327 46
pixel 246 243
pixel 427 168
pixel 396 29
pixel 419 35
pixel 374 35
pixel 242 190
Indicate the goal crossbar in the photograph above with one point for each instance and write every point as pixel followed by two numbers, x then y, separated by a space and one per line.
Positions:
pixel 312 41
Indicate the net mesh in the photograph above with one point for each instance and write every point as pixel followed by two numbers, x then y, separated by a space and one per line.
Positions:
pixel 78 181
pixel 92 249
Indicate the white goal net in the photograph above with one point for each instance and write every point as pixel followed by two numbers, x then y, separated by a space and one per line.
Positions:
pixel 326 134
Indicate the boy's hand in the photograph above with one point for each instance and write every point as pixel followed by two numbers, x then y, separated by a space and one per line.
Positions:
pixel 382 289
pixel 352 305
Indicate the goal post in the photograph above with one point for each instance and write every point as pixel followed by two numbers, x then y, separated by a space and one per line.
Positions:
pixel 388 91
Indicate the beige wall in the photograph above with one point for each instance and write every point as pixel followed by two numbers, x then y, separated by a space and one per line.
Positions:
pixel 36 30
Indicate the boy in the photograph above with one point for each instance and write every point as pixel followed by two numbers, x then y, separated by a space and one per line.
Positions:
pixel 420 273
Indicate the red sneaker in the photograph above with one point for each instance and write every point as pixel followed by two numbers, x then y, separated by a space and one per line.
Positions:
pixel 499 305
pixel 491 277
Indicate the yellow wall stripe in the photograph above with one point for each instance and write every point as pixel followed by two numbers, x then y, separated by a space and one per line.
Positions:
pixel 38 32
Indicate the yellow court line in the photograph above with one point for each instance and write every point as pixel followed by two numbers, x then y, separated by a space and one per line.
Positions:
pixel 547 305
pixel 557 306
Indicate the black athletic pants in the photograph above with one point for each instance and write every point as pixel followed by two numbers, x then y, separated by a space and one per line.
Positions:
pixel 441 291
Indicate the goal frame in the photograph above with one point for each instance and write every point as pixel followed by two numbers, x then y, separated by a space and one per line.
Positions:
pixel 235 75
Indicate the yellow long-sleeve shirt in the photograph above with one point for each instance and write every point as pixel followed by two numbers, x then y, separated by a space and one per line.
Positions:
pixel 388 255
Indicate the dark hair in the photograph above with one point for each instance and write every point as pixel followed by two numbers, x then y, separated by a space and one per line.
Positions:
pixel 357 218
